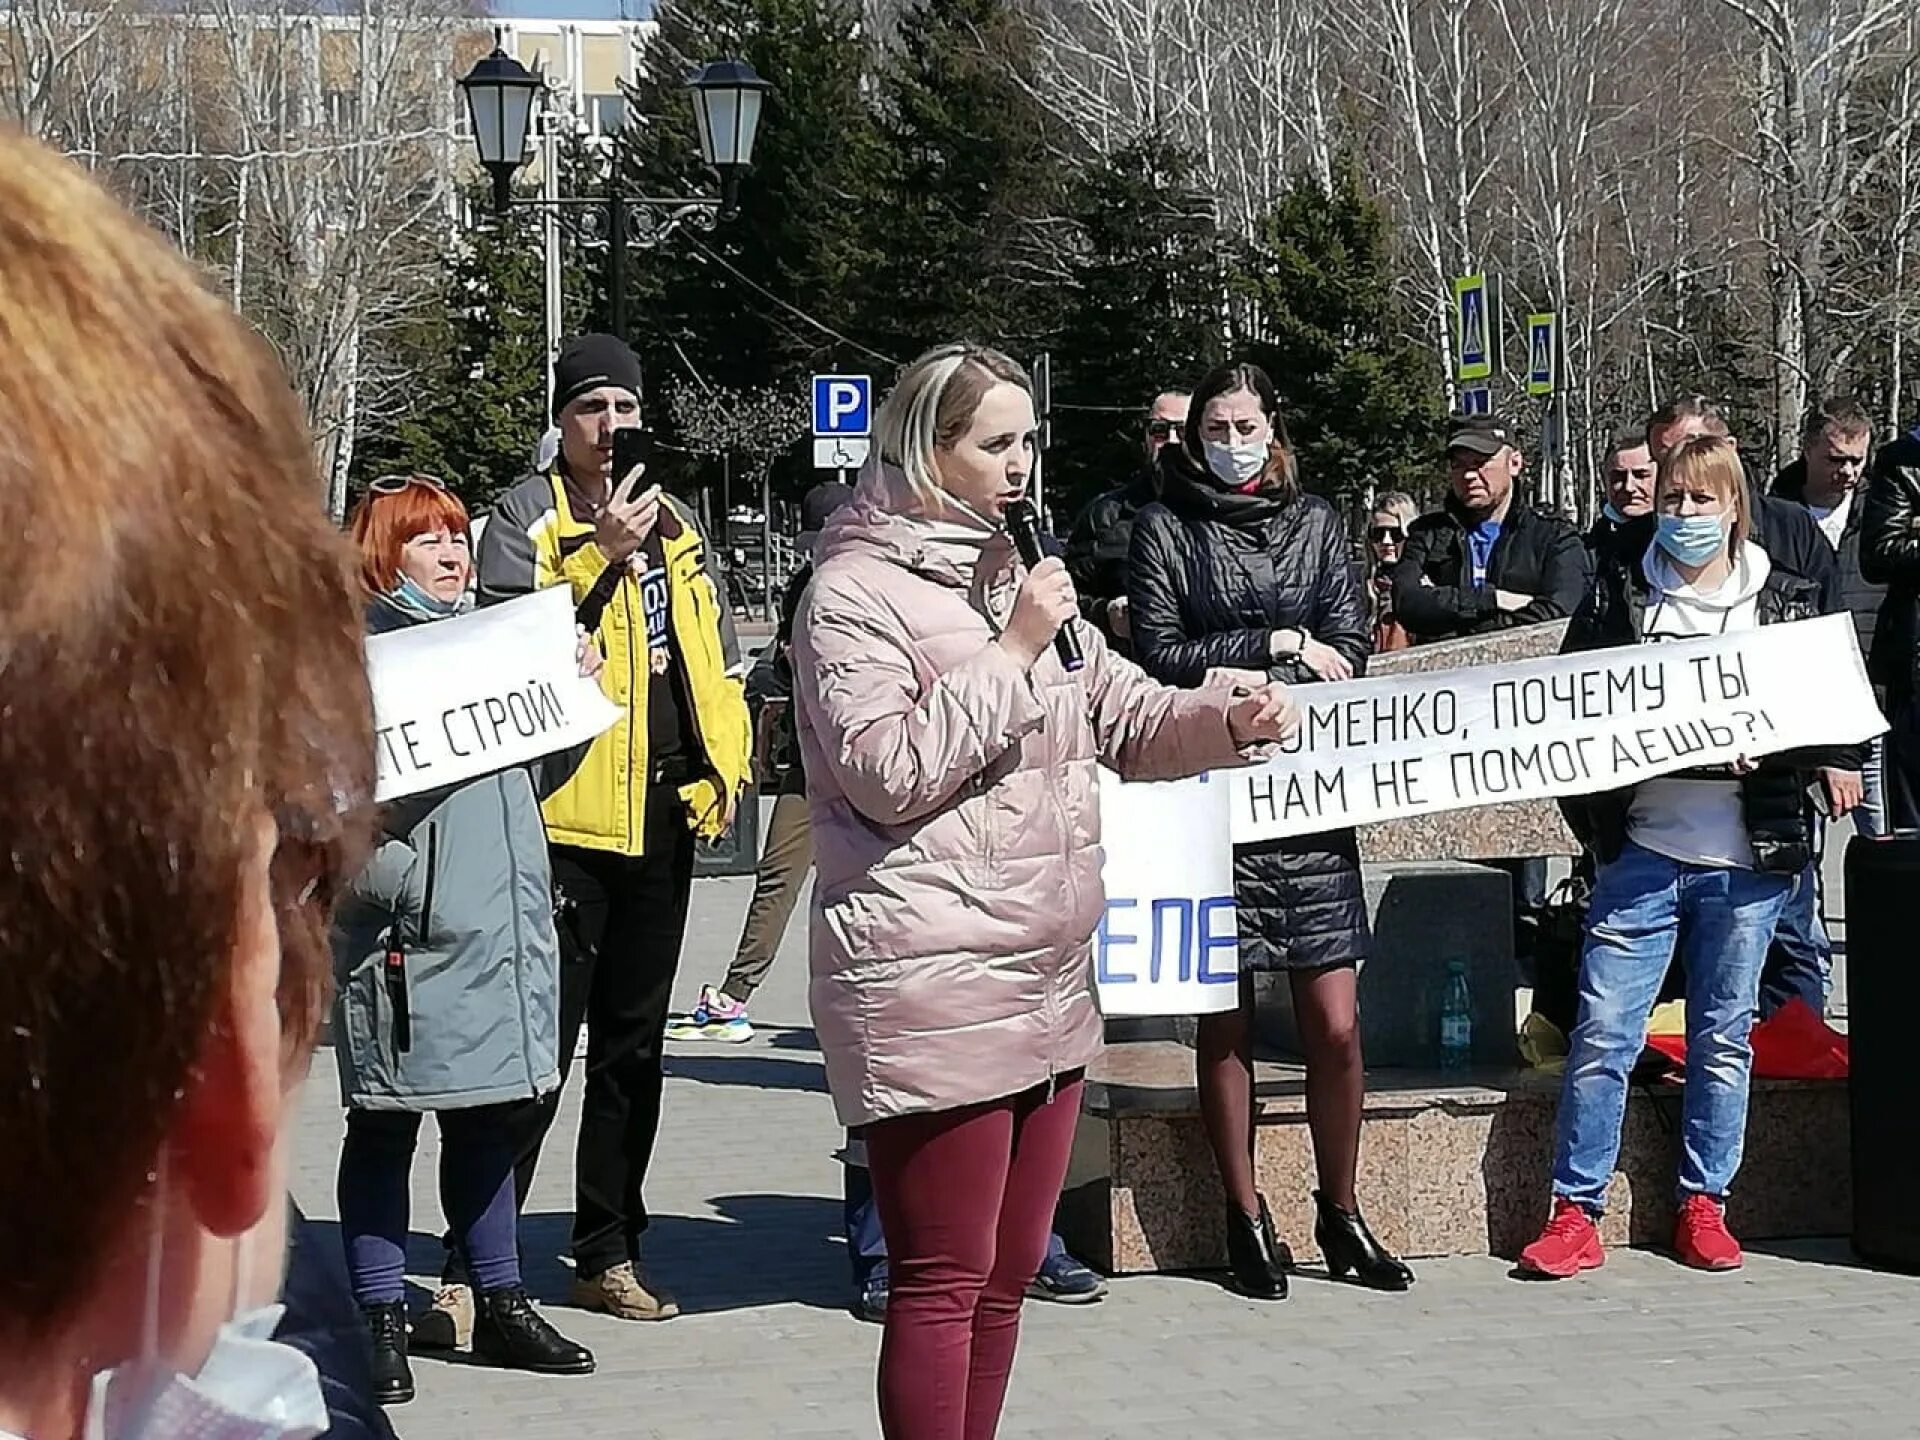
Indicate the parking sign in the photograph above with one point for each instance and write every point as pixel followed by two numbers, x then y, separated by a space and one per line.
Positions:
pixel 842 405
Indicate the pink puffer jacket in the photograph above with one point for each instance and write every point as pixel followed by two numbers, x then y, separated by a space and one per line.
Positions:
pixel 955 814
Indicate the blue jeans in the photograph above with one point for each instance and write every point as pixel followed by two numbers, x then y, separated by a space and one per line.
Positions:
pixel 1641 903
pixel 1801 956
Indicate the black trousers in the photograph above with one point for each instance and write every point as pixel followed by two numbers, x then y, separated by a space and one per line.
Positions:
pixel 1900 781
pixel 621 920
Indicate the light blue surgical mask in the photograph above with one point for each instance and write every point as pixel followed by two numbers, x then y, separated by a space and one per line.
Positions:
pixel 1691 539
pixel 250 1387
pixel 1612 514
pixel 413 598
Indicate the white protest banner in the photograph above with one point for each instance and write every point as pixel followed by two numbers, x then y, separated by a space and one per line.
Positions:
pixel 1565 725
pixel 464 697
pixel 1167 944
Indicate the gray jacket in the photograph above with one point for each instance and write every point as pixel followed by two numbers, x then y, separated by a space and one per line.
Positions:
pixel 446 959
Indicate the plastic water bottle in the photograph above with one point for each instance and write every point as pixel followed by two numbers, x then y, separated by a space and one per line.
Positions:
pixel 1456 1019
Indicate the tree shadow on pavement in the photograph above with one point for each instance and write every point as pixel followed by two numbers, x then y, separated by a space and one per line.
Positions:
pixel 759 1250
pixel 765 1072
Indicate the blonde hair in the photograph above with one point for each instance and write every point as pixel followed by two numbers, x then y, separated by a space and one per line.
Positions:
pixel 1711 462
pixel 932 404
pixel 1396 502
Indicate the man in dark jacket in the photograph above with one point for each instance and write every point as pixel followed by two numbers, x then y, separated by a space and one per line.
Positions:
pixel 1890 556
pixel 1824 482
pixel 1629 475
pixel 1097 549
pixel 1486 561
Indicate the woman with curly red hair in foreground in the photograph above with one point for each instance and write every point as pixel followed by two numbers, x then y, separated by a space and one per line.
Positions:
pixel 187 753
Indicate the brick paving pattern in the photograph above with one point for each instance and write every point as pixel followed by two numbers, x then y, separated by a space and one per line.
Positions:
pixel 1800 1343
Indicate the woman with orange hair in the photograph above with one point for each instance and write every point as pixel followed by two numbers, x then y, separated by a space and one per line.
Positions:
pixel 448 973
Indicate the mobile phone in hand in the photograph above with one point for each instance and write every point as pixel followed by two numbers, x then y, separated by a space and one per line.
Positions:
pixel 633 446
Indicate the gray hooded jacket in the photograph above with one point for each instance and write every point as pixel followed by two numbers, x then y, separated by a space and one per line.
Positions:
pixel 446 959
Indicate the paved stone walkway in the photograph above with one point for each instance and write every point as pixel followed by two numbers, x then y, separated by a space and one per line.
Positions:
pixel 1801 1343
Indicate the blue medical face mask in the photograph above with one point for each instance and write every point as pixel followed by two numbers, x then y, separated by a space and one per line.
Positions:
pixel 1612 514
pixel 1691 539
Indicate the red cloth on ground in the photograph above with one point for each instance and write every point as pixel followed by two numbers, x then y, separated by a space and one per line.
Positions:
pixel 1793 1043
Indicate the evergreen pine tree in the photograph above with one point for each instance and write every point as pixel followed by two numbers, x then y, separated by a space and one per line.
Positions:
pixel 1145 313
pixel 750 304
pixel 473 411
pixel 972 231
pixel 1316 311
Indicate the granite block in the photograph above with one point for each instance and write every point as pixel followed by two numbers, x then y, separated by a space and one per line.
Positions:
pixel 1492 831
pixel 1449 1166
pixel 1424 914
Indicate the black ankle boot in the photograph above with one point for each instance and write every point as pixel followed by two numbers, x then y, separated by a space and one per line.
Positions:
pixel 1349 1247
pixel 508 1331
pixel 1258 1263
pixel 387 1325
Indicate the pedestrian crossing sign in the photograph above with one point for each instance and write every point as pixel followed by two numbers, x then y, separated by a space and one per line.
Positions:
pixel 1543 353
pixel 1473 329
pixel 1476 400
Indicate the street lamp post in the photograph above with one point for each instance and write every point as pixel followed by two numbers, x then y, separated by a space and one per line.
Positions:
pixel 727 100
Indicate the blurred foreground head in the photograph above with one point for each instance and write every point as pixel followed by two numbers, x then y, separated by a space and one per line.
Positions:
pixel 185 759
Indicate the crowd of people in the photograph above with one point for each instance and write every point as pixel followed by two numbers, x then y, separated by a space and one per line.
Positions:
pixel 198 860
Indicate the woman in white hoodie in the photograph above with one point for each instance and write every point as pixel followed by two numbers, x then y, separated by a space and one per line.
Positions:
pixel 1702 859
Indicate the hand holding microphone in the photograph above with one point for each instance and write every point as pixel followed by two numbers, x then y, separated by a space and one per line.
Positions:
pixel 1046 603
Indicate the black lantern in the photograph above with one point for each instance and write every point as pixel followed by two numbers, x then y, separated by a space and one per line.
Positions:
pixel 727 96
pixel 500 94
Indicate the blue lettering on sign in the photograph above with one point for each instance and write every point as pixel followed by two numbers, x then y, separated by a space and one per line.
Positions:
pixel 1104 939
pixel 1182 909
pixel 1210 942
pixel 1189 929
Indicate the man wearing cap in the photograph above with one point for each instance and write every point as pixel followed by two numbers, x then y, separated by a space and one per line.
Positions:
pixel 1096 553
pixel 787 855
pixel 1485 561
pixel 623 829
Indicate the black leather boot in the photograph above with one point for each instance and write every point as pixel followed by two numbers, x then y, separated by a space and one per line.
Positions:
pixel 508 1331
pixel 1349 1248
pixel 387 1325
pixel 1257 1262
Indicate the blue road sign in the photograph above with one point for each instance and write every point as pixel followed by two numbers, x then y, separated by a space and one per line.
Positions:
pixel 842 405
pixel 1543 344
pixel 1476 400
pixel 1472 329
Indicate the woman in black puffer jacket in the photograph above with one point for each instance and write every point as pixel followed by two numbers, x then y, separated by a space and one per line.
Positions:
pixel 1236 567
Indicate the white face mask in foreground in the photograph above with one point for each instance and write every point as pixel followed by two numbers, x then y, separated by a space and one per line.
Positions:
pixel 251 1386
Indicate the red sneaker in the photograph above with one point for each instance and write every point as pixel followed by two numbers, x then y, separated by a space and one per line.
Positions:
pixel 1700 1235
pixel 1569 1244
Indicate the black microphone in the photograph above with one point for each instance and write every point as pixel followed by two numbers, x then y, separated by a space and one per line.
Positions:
pixel 1024 526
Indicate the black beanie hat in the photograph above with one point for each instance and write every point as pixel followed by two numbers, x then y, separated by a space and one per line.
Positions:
pixel 589 361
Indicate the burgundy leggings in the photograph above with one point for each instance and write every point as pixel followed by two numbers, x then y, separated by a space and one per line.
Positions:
pixel 966 1202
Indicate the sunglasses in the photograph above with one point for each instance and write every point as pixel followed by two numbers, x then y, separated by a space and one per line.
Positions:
pixel 1383 534
pixel 1164 429
pixel 399 484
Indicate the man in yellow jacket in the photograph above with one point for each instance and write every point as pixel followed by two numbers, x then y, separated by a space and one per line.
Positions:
pixel 622 830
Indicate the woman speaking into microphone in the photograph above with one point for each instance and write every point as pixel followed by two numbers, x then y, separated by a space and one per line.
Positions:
pixel 950 769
